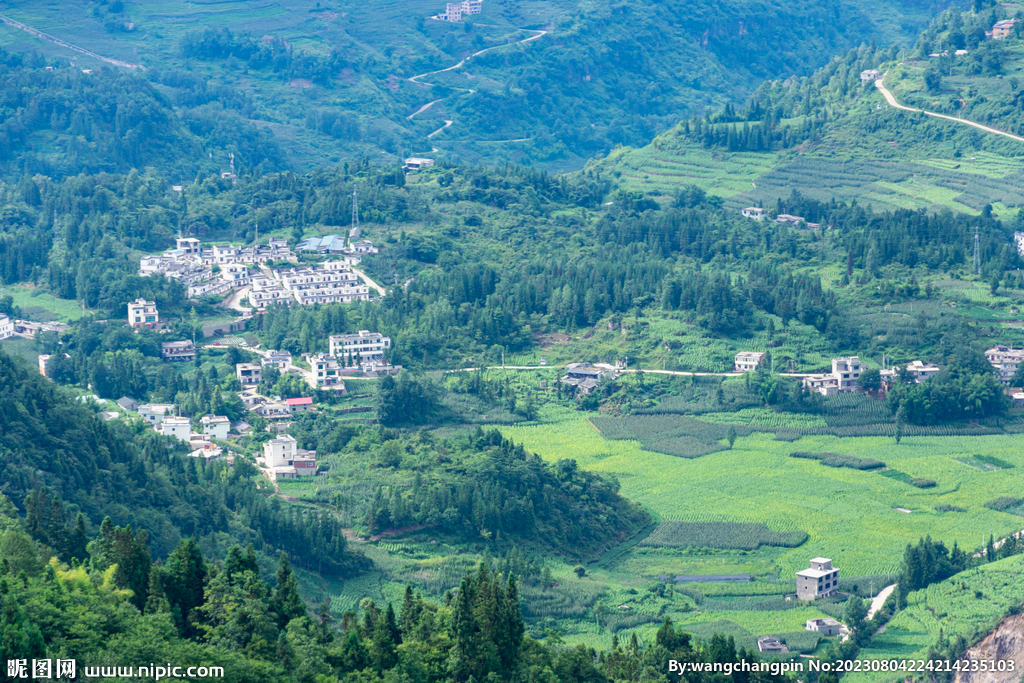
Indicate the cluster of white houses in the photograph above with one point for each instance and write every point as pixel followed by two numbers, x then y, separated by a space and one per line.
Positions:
pixel 332 283
pixel 193 265
pixel 845 372
pixel 222 268
pixel 1004 360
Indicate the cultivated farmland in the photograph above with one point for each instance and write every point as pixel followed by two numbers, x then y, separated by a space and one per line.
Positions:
pixel 849 515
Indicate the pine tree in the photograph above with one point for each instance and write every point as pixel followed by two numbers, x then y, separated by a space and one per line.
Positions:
pixel 286 603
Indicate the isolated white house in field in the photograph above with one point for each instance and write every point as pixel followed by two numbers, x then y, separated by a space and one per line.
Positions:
pixel 820 580
pixel 746 361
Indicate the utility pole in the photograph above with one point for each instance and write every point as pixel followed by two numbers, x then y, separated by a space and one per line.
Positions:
pixel 355 209
pixel 977 252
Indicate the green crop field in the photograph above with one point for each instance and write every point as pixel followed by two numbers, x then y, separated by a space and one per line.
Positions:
pixel 758 482
pixel 36 304
pixel 970 604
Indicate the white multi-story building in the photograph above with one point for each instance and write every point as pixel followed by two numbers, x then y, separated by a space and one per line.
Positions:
pixel 178 427
pixel 142 313
pixel 1018 238
pixel 285 460
pixel 821 580
pixel 6 327
pixel 155 413
pixel 1005 359
pixel 267 292
pixel 325 374
pixel 216 426
pixel 173 352
pixel 334 284
pixel 847 371
pixel 249 373
pixel 754 213
pixel 362 347
pixel 843 378
pixel 747 361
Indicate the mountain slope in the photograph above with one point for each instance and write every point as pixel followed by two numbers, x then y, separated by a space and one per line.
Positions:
pixel 834 135
pixel 330 82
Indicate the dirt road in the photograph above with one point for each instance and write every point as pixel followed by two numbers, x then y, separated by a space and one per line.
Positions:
pixel 893 103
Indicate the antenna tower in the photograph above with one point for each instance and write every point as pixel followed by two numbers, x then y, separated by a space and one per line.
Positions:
pixel 977 252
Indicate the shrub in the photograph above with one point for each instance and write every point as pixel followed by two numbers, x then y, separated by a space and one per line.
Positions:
pixel 922 483
pixel 949 508
pixel 1004 503
pixel 840 460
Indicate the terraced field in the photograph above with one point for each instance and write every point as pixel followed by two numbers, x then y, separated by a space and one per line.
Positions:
pixel 970 604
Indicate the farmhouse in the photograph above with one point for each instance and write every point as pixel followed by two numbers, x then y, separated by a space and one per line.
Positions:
pixel 843 378
pixel 28 328
pixel 754 213
pixel 128 404
pixel 456 10
pixel 6 327
pixel 820 580
pixel 208 453
pixel 178 351
pixel 178 427
pixel 870 75
pixel 918 370
pixel 142 313
pixel 1001 29
pixel 1005 359
pixel 826 627
pixel 747 361
pixel 326 374
pixel 216 426
pixel 249 373
pixel 770 644
pixel 154 413
pixel 274 410
pixel 584 377
pixel 1018 238
pixel 298 405
pixel 285 460
pixel 278 359
pixel 416 163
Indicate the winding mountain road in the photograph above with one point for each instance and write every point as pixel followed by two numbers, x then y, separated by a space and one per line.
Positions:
pixel 893 103
pixel 537 34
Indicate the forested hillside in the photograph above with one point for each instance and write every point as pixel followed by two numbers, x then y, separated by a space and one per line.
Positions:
pixel 305 86
pixel 58 458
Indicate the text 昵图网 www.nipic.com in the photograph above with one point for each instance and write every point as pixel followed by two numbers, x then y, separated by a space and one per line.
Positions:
pixel 66 668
